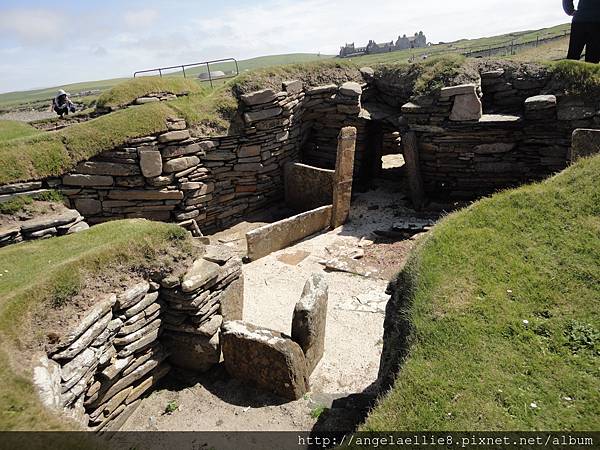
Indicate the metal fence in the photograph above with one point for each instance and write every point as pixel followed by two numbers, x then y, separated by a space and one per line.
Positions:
pixel 207 64
pixel 510 47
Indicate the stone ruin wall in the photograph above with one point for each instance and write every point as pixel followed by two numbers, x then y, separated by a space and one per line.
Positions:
pixel 180 176
pixel 97 373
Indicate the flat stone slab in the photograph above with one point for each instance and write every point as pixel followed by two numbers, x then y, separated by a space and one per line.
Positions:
pixel 52 221
pixel 264 358
pixel 462 89
pixel 540 102
pixel 259 97
pixel 351 89
pixel 201 272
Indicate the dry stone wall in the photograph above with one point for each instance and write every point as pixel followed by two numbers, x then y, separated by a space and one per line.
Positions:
pixel 98 371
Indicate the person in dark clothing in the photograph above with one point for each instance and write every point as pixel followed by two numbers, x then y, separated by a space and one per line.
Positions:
pixel 62 104
pixel 585 29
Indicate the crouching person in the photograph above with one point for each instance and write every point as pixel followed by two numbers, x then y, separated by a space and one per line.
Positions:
pixel 62 104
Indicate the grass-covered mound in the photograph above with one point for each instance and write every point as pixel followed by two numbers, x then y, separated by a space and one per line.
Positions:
pixel 125 93
pixel 42 281
pixel 12 129
pixel 502 301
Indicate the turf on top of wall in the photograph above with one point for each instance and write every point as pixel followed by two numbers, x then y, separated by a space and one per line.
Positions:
pixel 503 300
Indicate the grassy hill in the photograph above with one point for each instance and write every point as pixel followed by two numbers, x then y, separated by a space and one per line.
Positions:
pixel 33 97
pixel 502 302
pixel 38 97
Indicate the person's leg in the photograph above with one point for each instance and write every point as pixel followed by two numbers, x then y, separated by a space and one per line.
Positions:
pixel 577 41
pixel 592 46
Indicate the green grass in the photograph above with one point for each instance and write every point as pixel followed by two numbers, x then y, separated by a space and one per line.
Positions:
pixel 125 93
pixel 51 154
pixel 502 301
pixel 21 203
pixel 44 275
pixel 580 78
pixel 12 129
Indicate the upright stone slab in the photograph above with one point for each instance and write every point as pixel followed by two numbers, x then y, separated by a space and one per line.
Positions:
pixel 585 142
pixel 310 319
pixel 265 358
pixel 342 182
pixel 410 150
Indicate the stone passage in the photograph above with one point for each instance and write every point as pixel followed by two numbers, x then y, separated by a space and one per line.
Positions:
pixel 273 361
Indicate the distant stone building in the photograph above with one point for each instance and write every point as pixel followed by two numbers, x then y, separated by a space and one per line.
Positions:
pixel 419 40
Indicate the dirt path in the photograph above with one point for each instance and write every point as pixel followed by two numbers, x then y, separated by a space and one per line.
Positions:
pixel 272 287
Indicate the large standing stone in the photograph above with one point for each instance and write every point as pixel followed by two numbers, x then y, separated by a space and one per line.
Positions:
pixel 265 358
pixel 232 300
pixel 585 142
pixel 309 320
pixel 46 377
pixel 342 181
pixel 150 163
pixel 410 150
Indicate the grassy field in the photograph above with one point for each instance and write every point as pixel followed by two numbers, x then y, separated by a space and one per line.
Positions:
pixel 11 129
pixel 503 300
pixel 46 274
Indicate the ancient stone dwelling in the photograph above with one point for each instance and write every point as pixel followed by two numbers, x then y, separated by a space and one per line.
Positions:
pixel 419 40
pixel 499 126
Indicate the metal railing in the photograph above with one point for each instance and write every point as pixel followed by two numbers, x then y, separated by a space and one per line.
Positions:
pixel 210 78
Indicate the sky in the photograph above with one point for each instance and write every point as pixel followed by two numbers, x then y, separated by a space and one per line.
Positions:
pixel 45 43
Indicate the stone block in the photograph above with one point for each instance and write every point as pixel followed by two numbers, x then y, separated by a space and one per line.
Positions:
pixel 466 107
pixel 310 319
pixel 232 300
pixel 174 136
pixel 292 87
pixel 276 236
pixel 585 142
pixel 351 89
pixel 342 180
pixel 540 102
pixel 87 180
pixel 463 89
pixel 88 206
pixel 575 112
pixel 200 274
pixel 249 151
pixel 107 168
pixel 259 97
pixel 180 164
pixel 263 114
pixel 150 163
pixel 264 358
pixel 131 194
pixel 52 221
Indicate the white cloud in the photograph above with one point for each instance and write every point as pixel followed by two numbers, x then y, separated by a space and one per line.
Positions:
pixel 33 25
pixel 141 18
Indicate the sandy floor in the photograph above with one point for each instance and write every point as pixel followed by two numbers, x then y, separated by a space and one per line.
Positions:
pixel 272 287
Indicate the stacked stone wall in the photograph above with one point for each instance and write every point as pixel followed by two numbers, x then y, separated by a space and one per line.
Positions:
pixel 98 371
